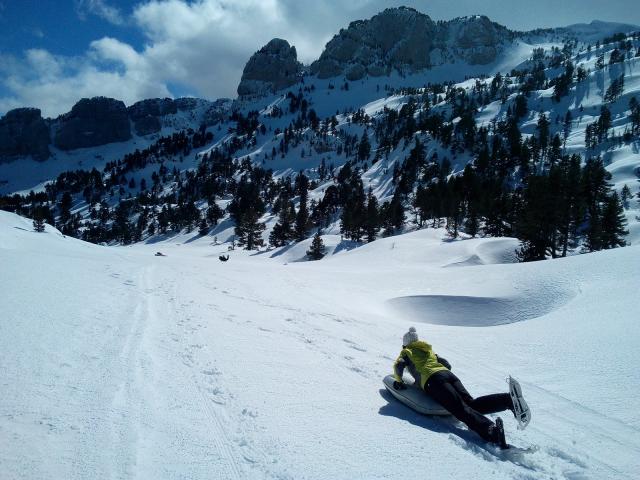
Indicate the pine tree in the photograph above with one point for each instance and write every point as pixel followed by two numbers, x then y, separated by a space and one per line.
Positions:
pixel 634 106
pixel 543 133
pixel 282 232
pixel 571 203
pixel 472 195
pixel 537 222
pixel 352 198
pixel 372 222
pixel 302 219
pixel 613 223
pixel 38 222
pixel 214 213
pixel 595 190
pixel 615 89
pixel 65 207
pixel 317 250
pixel 566 127
pixel 604 123
pixel 364 147
pixel 249 229
pixel 625 195
pixel 392 215
pixel 454 207
pixel 521 108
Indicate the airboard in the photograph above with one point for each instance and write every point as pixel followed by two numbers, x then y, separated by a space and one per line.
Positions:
pixel 415 398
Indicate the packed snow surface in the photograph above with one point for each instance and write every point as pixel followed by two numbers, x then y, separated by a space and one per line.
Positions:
pixel 116 363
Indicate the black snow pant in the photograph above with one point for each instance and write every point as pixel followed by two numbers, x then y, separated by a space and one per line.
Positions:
pixel 447 389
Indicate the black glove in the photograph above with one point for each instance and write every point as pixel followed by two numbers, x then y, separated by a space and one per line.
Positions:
pixel 399 385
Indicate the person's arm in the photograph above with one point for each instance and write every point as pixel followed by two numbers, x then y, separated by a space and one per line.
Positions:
pixel 398 369
pixel 443 361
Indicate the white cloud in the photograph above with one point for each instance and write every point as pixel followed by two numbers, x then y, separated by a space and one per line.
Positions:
pixel 99 8
pixel 196 46
pixel 55 83
pixel 201 46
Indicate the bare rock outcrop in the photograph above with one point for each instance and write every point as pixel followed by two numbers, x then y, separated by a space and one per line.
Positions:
pixel 93 122
pixel 146 114
pixel 395 38
pixel 406 40
pixel 23 132
pixel 275 66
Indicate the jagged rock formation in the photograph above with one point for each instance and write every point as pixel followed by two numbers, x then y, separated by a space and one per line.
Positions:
pixel 397 37
pixel 92 122
pixel 405 39
pixel 146 114
pixel 98 121
pixel 475 39
pixel 24 132
pixel 273 67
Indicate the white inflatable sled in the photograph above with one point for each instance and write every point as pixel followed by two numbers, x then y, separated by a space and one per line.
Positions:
pixel 415 398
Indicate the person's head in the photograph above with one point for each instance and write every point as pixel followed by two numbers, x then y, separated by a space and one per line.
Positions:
pixel 410 337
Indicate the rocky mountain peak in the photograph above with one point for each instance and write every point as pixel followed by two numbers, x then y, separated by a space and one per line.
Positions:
pixel 24 132
pixel 407 40
pixel 395 38
pixel 91 122
pixel 146 114
pixel 273 67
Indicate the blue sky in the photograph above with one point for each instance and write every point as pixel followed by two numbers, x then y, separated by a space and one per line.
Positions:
pixel 63 26
pixel 53 52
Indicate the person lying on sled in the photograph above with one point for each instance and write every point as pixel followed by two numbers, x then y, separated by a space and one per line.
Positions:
pixel 433 374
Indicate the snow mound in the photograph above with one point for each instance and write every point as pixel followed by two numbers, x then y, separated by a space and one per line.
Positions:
pixel 490 252
pixel 297 252
pixel 472 311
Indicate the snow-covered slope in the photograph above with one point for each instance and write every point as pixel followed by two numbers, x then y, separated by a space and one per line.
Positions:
pixel 335 97
pixel 117 363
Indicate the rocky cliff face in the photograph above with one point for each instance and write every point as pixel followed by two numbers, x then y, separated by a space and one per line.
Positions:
pixel 146 114
pixel 476 39
pixel 24 132
pixel 98 121
pixel 92 122
pixel 273 67
pixel 405 39
pixel 395 38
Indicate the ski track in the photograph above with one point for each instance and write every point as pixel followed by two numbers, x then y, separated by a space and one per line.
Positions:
pixel 203 385
pixel 171 308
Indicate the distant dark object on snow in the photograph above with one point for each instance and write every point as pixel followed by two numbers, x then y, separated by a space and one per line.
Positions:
pixel 223 258
pixel 160 254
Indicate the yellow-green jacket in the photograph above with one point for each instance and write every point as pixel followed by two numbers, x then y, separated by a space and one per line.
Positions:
pixel 421 361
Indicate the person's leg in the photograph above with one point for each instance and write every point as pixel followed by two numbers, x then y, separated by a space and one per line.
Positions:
pixel 497 402
pixel 441 387
pixel 486 404
pixel 457 384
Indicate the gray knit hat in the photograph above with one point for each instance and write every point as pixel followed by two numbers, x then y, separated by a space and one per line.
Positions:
pixel 410 337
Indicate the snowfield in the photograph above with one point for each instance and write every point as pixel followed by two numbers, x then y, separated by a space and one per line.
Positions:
pixel 115 363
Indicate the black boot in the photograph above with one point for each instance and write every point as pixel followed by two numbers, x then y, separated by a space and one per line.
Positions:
pixel 499 433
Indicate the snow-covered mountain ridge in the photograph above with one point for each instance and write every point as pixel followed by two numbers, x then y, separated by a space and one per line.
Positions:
pixel 318 125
